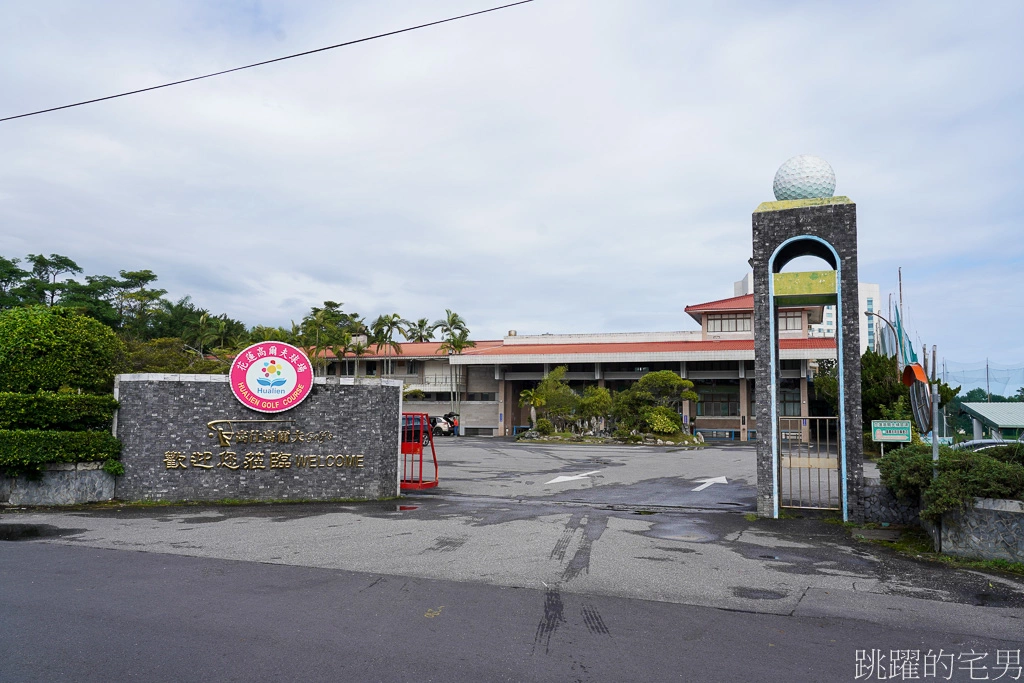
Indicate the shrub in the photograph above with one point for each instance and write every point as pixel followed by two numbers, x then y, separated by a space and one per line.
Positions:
pixel 44 349
pixel 28 451
pixel 662 420
pixel 963 476
pixel 61 411
pixel 545 427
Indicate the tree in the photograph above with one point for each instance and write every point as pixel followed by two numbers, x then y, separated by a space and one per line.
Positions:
pixel 199 331
pixel 319 331
pixel 449 326
pixel 419 331
pixel 667 388
pixel 139 301
pixel 341 345
pixel 453 346
pixel 359 349
pixel 560 401
pixel 881 385
pixel 649 404
pixel 594 404
pixel 44 349
pixel 534 399
pixel 384 329
pixel 42 286
pixel 11 277
pixel 169 354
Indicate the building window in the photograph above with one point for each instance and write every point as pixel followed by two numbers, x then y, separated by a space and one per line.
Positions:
pixel 481 396
pixel 718 398
pixel 789 397
pixel 412 367
pixel 790 320
pixel 729 322
pixel 712 366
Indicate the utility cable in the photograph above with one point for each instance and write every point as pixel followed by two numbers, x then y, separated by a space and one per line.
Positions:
pixel 268 61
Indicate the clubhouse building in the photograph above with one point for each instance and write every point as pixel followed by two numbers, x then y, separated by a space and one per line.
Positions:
pixel 718 359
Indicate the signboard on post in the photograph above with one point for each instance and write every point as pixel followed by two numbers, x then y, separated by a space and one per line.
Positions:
pixel 891 431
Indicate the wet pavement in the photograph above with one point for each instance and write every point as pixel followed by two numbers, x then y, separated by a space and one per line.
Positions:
pixel 622 523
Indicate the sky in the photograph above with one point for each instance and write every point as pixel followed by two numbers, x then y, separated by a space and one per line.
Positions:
pixel 563 166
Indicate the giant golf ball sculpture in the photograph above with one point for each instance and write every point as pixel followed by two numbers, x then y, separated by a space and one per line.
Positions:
pixel 804 177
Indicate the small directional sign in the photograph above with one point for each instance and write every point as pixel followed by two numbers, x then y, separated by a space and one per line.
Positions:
pixel 891 431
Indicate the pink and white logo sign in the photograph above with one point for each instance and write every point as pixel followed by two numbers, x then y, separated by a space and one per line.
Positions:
pixel 271 377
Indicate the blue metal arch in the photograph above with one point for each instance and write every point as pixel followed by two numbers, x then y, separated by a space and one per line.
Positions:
pixel 786 247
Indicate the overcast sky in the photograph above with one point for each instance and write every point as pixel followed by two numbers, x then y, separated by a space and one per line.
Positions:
pixel 562 166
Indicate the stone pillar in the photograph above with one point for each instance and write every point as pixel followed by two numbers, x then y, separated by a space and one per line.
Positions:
pixel 979 431
pixel 782 231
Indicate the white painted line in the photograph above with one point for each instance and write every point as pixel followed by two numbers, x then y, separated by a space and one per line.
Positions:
pixel 559 480
pixel 708 482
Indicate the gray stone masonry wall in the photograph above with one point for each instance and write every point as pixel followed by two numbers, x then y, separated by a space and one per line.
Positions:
pixel 61 484
pixel 991 530
pixel 837 225
pixel 169 452
pixel 882 505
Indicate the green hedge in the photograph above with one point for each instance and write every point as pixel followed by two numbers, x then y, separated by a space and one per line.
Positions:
pixel 963 476
pixel 26 452
pixel 48 410
pixel 45 349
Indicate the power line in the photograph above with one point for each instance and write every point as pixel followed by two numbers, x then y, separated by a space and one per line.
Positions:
pixel 268 61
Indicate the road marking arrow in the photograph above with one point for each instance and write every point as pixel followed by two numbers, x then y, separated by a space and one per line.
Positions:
pixel 559 480
pixel 708 482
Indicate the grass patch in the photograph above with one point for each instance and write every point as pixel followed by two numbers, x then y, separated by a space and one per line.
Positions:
pixel 916 542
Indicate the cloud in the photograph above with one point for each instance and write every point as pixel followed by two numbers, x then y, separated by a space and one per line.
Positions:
pixel 563 166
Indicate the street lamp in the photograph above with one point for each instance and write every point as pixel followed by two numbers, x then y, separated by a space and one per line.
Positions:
pixel 899 346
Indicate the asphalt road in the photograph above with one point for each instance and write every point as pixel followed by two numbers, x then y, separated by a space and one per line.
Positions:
pixel 624 574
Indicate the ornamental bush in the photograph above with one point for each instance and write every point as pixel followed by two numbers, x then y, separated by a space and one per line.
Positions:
pixel 27 451
pixel 963 476
pixel 60 411
pixel 44 349
pixel 545 427
pixel 662 420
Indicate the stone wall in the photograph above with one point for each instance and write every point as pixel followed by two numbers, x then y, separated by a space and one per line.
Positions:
pixel 186 437
pixel 61 484
pixel 991 530
pixel 882 505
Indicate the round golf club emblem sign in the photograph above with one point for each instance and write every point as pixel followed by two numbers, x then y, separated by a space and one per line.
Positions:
pixel 271 377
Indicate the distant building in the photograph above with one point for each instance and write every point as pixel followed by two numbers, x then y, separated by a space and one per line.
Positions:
pixel 869 302
pixel 718 359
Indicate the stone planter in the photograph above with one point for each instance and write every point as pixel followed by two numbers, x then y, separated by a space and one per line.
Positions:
pixel 991 530
pixel 62 484
pixel 882 506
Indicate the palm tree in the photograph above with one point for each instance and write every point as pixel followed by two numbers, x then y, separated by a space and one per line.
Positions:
pixel 450 324
pixel 200 330
pixel 534 399
pixel 454 345
pixel 359 349
pixel 419 331
pixel 341 347
pixel 384 328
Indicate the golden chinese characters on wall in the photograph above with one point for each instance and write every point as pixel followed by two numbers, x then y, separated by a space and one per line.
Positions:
pixel 230 432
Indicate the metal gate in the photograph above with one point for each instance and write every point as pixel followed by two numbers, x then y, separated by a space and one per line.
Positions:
pixel 809 463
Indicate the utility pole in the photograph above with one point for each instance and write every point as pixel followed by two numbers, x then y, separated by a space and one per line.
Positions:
pixel 988 388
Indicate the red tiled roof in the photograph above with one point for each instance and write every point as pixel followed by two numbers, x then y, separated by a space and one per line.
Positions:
pixel 413 350
pixel 644 347
pixel 736 303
